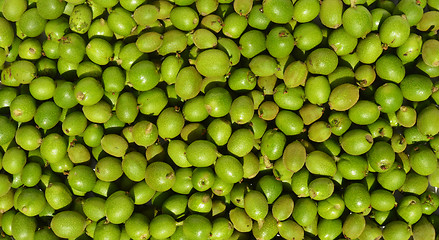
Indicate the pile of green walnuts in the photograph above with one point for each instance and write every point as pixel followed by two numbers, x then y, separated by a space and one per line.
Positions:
pixel 219 119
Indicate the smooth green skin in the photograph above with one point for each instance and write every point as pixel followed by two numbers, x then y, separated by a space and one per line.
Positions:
pixel 94 208
pixel 31 23
pixel 82 178
pixel 393 178
pixel 270 187
pixel 252 43
pixel 134 166
pixel 306 10
pixel 290 230
pixel 424 123
pixel 141 193
pixel 241 142
pixel 266 230
pixel 389 67
pixel 331 208
pixel 305 210
pixel 295 74
pixel 357 21
pixel 192 132
pixel 289 123
pixel 307 36
pixel 194 110
pixel 343 97
pixel 423 229
pixel 382 200
pixel 14 159
pixel 322 61
pixel 356 197
pixel 126 107
pixel 47 115
pixel 23 108
pixel 241 110
pixel 174 41
pixel 294 156
pixel 329 229
pixel 317 90
pixel 121 22
pixel 149 42
pixel 176 151
pixel 369 49
pixel 45 233
pixel 31 174
pixel 108 169
pixel 354 225
pixel 188 83
pixel 319 131
pixel 430 48
pixel 411 49
pixel 283 207
pixel 23 227
pixel 145 133
pixel 197 227
pixel 143 75
pixel 342 42
pixel 68 224
pixel 222 228
pixel 331 12
pixel 107 230
pixel 259 126
pixel 389 97
pixel 352 167
pixel 212 63
pixel 99 51
pixel 152 102
pixel 279 42
pixel 137 226
pixel 240 220
pixel 250 164
pixel 160 176
pixel 162 226
pixel 229 169
pixel 321 188
pixel 416 87
pixel 268 110
pixel 311 113
pixel 8 130
pixel 203 158
pixel 200 202
pixel 365 75
pixel 118 207
pixel 170 123
pixel 203 178
pixel 175 205
pixel 423 160
pixel 184 18
pixel 234 25
pixel 410 209
pixel 170 67
pixel 300 181
pixel 339 122
pixel 74 124
pixel 273 144
pixel 30 202
pixel 5 184
pixel 99 28
pixel 12 10
pixel 72 47
pixel 42 88
pixel 293 98
pixel 356 142
pixel 114 145
pixel 318 162
pixel 218 102
pixel 394 31
pixel 279 12
pixel 256 205
pixel 381 156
